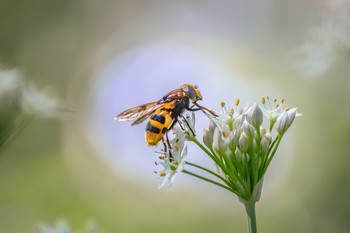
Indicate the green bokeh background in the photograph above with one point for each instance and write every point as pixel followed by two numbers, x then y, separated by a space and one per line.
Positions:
pixel 51 172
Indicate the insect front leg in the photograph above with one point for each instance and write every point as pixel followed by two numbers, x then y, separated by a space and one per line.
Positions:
pixel 184 118
pixel 202 109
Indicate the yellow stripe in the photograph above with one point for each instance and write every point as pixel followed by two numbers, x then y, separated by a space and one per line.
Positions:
pixel 156 124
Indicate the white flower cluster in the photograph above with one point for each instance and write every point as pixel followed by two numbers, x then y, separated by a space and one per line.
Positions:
pixel 240 143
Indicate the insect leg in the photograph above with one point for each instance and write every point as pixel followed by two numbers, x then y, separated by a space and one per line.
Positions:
pixel 181 126
pixel 165 147
pixel 184 118
pixel 167 139
pixel 204 108
pixel 193 109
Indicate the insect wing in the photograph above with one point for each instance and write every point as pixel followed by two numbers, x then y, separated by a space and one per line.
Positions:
pixel 139 112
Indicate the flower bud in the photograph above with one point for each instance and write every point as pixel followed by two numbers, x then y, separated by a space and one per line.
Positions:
pixel 243 142
pixel 256 116
pixel 262 130
pixel 230 155
pixel 248 129
pixel 208 138
pixel 237 123
pixel 246 158
pixel 212 126
pixel 238 155
pixel 232 141
pixel 264 145
pixel 285 120
pixel 268 136
pixel 219 141
pixel 254 145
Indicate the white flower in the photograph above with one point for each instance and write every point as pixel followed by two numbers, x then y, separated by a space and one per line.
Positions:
pixel 40 103
pixel 172 164
pixel 272 109
pixel 173 160
pixel 9 81
pixel 221 139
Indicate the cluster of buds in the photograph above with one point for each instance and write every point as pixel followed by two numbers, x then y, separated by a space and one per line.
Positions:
pixel 242 144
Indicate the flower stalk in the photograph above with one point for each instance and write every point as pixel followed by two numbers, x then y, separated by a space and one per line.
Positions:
pixel 250 209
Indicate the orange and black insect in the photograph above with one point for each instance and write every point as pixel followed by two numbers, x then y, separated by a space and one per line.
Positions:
pixel 163 114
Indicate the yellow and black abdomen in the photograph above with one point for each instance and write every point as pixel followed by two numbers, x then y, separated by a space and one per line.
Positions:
pixel 158 124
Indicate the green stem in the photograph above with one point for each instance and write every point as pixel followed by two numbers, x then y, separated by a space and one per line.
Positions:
pixel 211 155
pixel 262 168
pixel 209 180
pixel 250 209
pixel 272 154
pixel 207 170
pixel 24 124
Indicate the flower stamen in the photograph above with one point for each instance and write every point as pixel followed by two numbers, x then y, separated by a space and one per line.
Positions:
pixel 237 102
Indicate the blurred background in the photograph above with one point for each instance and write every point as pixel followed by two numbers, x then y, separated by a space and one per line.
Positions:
pixel 102 57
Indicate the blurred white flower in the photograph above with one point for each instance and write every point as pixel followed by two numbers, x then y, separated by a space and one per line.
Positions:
pixel 63 227
pixel 9 81
pixel 320 49
pixel 40 103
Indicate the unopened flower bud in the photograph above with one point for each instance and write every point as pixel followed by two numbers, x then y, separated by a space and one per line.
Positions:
pixel 246 158
pixel 237 123
pixel 268 136
pixel 212 126
pixel 208 138
pixel 219 141
pixel 238 155
pixel 264 145
pixel 248 129
pixel 285 120
pixel 230 155
pixel 243 142
pixel 232 141
pixel 262 130
pixel 254 145
pixel 256 116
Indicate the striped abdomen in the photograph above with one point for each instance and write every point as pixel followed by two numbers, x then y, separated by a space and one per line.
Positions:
pixel 158 124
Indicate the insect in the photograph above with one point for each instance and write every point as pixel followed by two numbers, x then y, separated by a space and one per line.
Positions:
pixel 164 113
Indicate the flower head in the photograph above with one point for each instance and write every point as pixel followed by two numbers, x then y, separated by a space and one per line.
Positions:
pixel 242 147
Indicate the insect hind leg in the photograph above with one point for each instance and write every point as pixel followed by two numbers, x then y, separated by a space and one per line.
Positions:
pixel 164 144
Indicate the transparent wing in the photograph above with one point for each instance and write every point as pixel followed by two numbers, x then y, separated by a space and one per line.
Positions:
pixel 139 113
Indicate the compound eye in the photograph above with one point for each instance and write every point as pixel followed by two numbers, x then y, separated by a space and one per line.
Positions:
pixel 190 92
